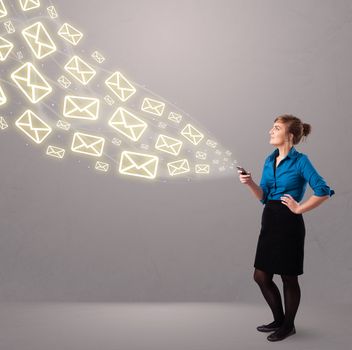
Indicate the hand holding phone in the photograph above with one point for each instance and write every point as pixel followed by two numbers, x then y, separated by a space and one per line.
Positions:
pixel 243 172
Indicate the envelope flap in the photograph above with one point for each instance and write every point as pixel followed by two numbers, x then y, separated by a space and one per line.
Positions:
pixel 33 122
pixel 123 83
pixel 149 104
pixel 35 79
pixel 126 118
pixel 69 30
pixel 113 80
pixel 36 123
pixel 88 141
pixel 64 30
pixel 32 31
pixel 81 103
pixel 39 35
pixel 43 37
pixel 170 142
pixel 72 63
pixel 178 164
pixel 139 161
pixel 5 44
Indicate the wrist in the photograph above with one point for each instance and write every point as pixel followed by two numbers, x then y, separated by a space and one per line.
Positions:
pixel 250 183
pixel 300 210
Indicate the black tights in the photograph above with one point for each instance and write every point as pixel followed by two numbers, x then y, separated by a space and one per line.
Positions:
pixel 292 296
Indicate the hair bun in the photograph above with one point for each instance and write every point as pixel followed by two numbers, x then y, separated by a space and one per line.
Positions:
pixel 306 129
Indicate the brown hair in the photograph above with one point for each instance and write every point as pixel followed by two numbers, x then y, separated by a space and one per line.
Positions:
pixel 295 126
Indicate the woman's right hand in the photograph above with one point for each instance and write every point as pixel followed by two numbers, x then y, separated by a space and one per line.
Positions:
pixel 245 179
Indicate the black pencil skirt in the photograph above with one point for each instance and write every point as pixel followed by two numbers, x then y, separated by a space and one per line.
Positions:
pixel 280 247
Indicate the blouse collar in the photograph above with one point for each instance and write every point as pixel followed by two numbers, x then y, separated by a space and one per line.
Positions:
pixel 291 154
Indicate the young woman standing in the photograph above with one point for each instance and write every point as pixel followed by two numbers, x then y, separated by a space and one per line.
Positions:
pixel 280 247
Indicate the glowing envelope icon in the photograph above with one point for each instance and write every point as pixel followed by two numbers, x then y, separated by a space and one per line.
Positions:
pixel 81 107
pixel 31 82
pixel 35 128
pixel 128 124
pixel 39 40
pixel 138 164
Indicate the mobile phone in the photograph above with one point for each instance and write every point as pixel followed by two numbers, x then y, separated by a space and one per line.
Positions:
pixel 243 172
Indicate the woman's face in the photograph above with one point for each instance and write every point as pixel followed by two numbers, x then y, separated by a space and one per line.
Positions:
pixel 278 136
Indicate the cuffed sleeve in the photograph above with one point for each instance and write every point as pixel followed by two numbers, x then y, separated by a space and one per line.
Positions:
pixel 265 194
pixel 315 180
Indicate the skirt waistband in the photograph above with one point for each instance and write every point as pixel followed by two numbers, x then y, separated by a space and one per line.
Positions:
pixel 275 202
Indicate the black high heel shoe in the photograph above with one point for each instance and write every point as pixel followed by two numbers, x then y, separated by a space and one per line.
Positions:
pixel 280 334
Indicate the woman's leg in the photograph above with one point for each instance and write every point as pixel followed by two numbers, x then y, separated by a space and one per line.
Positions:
pixel 292 296
pixel 271 294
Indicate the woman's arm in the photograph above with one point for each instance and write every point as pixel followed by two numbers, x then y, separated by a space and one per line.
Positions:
pixel 311 203
pixel 247 180
pixel 256 190
pixel 321 190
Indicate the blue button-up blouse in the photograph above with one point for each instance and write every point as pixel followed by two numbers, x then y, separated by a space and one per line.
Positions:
pixel 291 176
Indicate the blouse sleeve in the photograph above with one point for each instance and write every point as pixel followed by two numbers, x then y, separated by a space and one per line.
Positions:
pixel 264 185
pixel 316 182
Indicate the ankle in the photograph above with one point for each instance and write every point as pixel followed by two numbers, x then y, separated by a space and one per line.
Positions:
pixel 279 320
pixel 287 325
pixel 275 323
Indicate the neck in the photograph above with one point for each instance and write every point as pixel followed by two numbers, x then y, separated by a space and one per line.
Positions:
pixel 284 149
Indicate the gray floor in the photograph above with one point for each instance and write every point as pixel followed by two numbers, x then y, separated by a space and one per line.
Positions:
pixel 177 326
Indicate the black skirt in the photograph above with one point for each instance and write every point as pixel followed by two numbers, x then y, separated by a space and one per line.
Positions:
pixel 280 248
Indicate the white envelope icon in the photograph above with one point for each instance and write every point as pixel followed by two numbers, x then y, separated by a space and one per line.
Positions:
pixel 88 144
pixel 202 169
pixel 34 127
pixel 56 152
pixel 168 144
pixel 138 164
pixel 178 167
pixel 31 82
pixel 101 166
pixel 98 57
pixel 9 27
pixel 39 40
pixel 52 12
pixel 211 143
pixel 152 106
pixel 64 82
pixel 70 34
pixel 80 70
pixel 63 125
pixel 175 117
pixel 201 155
pixel 128 124
pixel 81 107
pixel 192 134
pixel 120 86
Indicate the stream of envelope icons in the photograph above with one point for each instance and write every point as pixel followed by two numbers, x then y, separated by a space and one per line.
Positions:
pixel 56 93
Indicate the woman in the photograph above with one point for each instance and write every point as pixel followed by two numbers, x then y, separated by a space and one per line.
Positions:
pixel 280 247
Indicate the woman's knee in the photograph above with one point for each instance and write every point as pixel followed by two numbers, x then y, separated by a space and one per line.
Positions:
pixel 262 277
pixel 289 280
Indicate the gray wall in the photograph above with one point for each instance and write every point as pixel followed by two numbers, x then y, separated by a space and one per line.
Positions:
pixel 66 234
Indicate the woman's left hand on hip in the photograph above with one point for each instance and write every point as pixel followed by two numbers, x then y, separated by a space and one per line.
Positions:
pixel 290 202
